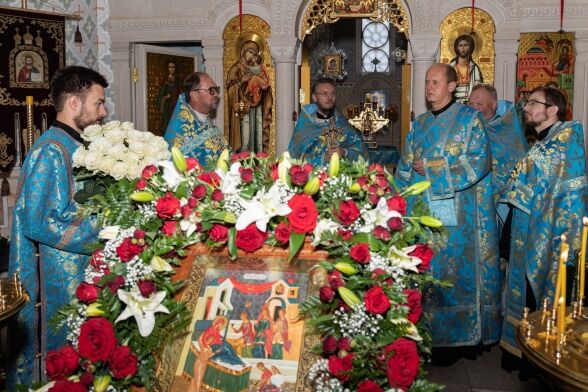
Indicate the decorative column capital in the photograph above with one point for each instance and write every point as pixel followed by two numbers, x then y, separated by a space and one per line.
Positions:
pixel 284 49
pixel 424 47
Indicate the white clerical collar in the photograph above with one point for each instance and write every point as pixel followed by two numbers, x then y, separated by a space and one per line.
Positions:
pixel 200 116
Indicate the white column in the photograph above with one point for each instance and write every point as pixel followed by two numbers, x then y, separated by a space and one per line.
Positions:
pixel 121 86
pixel 212 51
pixel 580 84
pixel 423 50
pixel 283 51
pixel 505 64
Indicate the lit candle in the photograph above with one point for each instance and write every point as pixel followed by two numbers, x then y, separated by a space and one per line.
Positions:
pixel 561 271
pixel 561 321
pixel 29 99
pixel 582 266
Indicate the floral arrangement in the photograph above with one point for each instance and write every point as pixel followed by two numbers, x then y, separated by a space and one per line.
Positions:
pixel 368 313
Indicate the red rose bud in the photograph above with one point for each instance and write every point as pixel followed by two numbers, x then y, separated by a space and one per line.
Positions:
pixel 369 386
pixel 376 167
pixel 116 283
pixel 87 379
pixel 246 175
pixel 326 294
pixel 347 212
pixel 149 171
pixel 381 181
pixel 298 175
pixel 340 367
pixel 217 195
pixel 185 211
pixel 141 184
pixel 199 191
pixel 169 228
pixel 373 198
pixel 330 345
pixel 61 363
pixel 139 234
pixel 192 163
pixel 415 308
pixel 167 206
pixel 97 260
pixel 210 178
pixel 381 233
pixel 344 344
pixel 395 224
pixel 218 233
pixel 87 293
pixel 146 287
pixel 336 279
pixel 397 203
pixel 123 363
pixel 282 233
pixel 423 252
pixel 363 182
pixel 193 202
pixel 262 155
pixel 346 235
pixel 360 253
pixel 241 155
pixel 376 301
pixel 274 171
pixel 128 249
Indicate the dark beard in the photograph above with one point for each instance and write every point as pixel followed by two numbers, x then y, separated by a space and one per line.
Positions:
pixel 325 113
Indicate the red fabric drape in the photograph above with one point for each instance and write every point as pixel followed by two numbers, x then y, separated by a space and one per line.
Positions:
pixel 250 288
pixel 240 16
pixel 561 14
pixel 473 15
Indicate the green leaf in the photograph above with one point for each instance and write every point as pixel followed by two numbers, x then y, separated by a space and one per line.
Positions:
pixel 296 242
pixel 231 243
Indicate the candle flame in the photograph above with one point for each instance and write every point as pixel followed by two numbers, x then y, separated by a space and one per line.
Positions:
pixel 585 221
pixel 561 300
pixel 563 238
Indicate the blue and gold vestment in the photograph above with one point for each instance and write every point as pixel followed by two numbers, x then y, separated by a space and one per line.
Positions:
pixel 455 150
pixel 49 247
pixel 549 194
pixel 195 138
pixel 309 140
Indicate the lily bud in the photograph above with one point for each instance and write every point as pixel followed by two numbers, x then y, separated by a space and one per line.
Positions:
pixel 160 265
pixel 417 188
pixel 230 217
pixel 346 268
pixel 101 383
pixel 93 310
pixel 312 186
pixel 223 161
pixel 178 159
pixel 430 221
pixel 142 196
pixel 348 297
pixel 354 188
pixel 283 167
pixel 334 165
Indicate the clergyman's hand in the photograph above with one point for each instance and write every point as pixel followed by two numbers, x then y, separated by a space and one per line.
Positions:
pixel 419 167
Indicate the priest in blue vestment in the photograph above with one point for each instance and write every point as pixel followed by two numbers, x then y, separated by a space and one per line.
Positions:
pixel 549 196
pixel 50 241
pixel 449 147
pixel 321 130
pixel 190 127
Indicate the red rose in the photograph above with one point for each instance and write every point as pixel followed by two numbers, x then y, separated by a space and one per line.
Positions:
pixel 141 184
pixel 403 366
pixel 326 294
pixel 298 175
pixel 336 280
pixel 61 363
pixel 146 287
pixel 376 167
pixel 282 233
pixel 192 163
pixel 363 182
pixel 423 252
pixel 210 178
pixel 149 171
pixel 169 228
pixel 128 249
pixel 139 234
pixel 250 239
pixel 217 195
pixel 97 261
pixel 218 233
pixel 346 235
pixel 193 202
pixel 369 386
pixel 274 171
pixel 199 191
pixel 87 293
pixel 185 211
pixel 123 363
pixel 347 213
pixel 382 182
pixel 116 283
pixel 360 253
pixel 240 155
pixel 87 379
pixel 397 203
pixel 97 339
pixel 395 224
pixel 381 233
pixel 376 301
pixel 304 214
pixel 330 345
pixel 344 344
pixel 67 386
pixel 247 175
pixel 340 367
pixel 167 206
pixel 262 155
pixel 413 299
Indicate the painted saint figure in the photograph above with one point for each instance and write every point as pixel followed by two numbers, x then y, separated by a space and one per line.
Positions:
pixel 263 338
pixel 468 72
pixel 168 95
pixel 247 339
pixel 280 335
pixel 248 83
pixel 28 72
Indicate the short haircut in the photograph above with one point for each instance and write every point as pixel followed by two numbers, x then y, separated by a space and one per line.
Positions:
pixel 322 81
pixel 554 97
pixel 192 82
pixel 464 37
pixel 490 89
pixel 450 72
pixel 73 80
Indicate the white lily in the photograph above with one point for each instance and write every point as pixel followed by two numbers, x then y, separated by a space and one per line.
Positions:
pixel 44 388
pixel 160 265
pixel 378 216
pixel 190 224
pixel 109 232
pixel 322 226
pixel 402 258
pixel 413 333
pixel 172 177
pixel 141 308
pixel 263 207
pixel 231 180
pixel 283 167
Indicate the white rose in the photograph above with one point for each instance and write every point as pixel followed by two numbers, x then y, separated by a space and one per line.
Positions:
pixel 111 125
pixel 135 135
pixel 163 155
pixel 92 132
pixel 101 144
pixel 131 158
pixel 118 151
pixel 92 160
pixel 115 135
pixel 138 147
pixel 134 171
pixel 157 143
pixel 106 164
pixel 78 157
pixel 118 170
pixel 127 126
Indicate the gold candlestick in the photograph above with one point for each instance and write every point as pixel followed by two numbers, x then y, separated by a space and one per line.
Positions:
pixel 582 263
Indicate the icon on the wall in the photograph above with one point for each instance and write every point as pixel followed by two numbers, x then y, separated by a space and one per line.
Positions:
pixel 333 63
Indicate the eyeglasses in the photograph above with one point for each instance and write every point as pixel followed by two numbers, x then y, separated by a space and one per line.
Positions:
pixel 211 90
pixel 332 95
pixel 533 102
